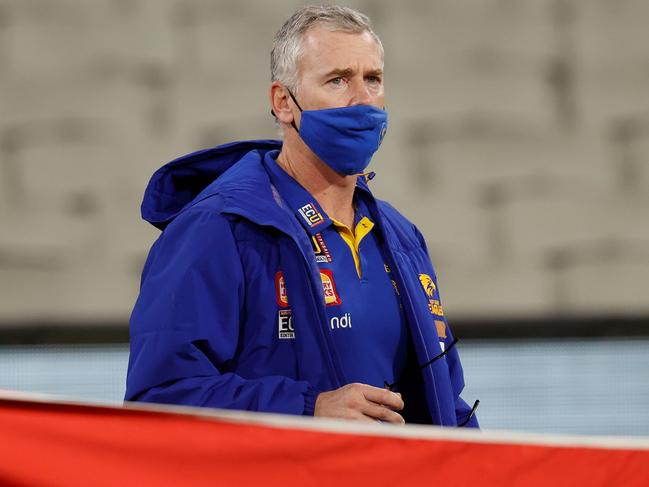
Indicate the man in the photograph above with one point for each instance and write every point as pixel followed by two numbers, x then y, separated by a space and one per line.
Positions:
pixel 279 283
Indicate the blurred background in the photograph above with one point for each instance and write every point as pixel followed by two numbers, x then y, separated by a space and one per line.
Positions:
pixel 518 142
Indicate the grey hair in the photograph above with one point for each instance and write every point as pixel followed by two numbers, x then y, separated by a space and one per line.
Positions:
pixel 287 45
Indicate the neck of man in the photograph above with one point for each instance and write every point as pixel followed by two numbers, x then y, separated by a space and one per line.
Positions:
pixel 333 192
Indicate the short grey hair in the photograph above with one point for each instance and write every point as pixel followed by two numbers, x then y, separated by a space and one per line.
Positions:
pixel 287 45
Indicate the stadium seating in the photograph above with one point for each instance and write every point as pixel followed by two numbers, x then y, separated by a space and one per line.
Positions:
pixel 518 141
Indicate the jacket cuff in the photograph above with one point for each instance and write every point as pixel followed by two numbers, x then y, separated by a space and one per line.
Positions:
pixel 310 397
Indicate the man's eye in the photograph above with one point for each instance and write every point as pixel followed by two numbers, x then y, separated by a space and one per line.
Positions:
pixel 374 79
pixel 336 81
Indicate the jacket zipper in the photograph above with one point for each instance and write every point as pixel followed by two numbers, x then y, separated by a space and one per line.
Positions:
pixel 335 373
pixel 411 314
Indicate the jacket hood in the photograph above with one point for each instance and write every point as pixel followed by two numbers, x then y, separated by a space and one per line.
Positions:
pixel 179 182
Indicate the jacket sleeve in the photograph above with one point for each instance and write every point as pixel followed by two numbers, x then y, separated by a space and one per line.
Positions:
pixel 462 409
pixel 185 325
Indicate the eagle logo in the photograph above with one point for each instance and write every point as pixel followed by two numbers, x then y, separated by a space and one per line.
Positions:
pixel 428 284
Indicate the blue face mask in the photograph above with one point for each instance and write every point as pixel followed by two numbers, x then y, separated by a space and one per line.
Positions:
pixel 344 138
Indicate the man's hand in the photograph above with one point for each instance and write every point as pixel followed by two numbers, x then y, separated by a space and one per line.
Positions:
pixel 360 401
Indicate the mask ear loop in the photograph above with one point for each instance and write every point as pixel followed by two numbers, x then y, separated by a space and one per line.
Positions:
pixel 272 112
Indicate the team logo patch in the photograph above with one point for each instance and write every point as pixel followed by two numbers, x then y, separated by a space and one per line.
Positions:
pixel 320 249
pixel 428 284
pixel 434 306
pixel 285 324
pixel 280 290
pixel 311 214
pixel 384 129
pixel 329 287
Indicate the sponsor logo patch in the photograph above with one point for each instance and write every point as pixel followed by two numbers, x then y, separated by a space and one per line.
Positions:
pixel 311 214
pixel 280 290
pixel 441 332
pixel 285 324
pixel 344 321
pixel 441 328
pixel 320 249
pixel 329 288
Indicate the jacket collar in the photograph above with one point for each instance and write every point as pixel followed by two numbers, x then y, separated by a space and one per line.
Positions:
pixel 257 189
pixel 304 206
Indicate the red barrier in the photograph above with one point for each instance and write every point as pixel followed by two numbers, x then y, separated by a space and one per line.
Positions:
pixel 61 444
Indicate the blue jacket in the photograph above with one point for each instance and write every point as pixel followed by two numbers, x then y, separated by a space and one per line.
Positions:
pixel 204 328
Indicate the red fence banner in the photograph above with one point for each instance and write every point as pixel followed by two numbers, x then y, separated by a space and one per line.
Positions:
pixel 45 442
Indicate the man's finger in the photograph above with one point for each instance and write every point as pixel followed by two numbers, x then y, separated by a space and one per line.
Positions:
pixel 382 413
pixel 383 396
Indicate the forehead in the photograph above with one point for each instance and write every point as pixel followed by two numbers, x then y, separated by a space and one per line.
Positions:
pixel 323 50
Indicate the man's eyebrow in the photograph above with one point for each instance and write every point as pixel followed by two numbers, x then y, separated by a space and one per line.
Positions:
pixel 375 72
pixel 339 72
pixel 346 72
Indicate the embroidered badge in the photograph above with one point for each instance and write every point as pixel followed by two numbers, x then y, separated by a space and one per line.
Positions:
pixel 311 214
pixel 280 290
pixel 434 306
pixel 428 284
pixel 320 249
pixel 285 324
pixel 441 328
pixel 329 287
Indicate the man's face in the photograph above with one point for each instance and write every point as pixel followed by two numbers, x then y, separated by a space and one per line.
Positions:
pixel 339 69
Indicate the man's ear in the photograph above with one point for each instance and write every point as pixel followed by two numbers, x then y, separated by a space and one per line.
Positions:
pixel 279 103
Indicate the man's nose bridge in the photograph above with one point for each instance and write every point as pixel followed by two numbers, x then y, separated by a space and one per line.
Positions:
pixel 360 92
